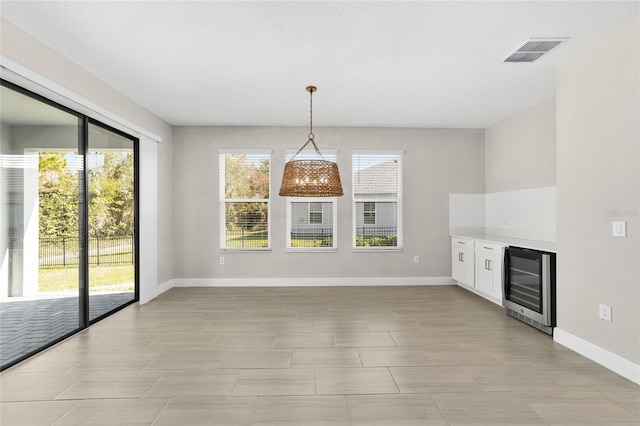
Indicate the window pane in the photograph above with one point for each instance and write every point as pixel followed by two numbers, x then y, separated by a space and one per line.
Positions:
pixel 246 176
pixel 110 164
pixel 311 224
pixel 383 231
pixel 246 225
pixel 376 176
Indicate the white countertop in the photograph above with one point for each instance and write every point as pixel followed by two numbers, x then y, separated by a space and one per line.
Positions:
pixel 517 242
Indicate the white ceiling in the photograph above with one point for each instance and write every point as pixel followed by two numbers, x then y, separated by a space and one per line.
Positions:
pixel 380 64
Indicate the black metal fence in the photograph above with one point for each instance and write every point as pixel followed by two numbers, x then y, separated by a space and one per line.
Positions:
pixel 244 238
pixel 312 237
pixel 376 236
pixel 65 251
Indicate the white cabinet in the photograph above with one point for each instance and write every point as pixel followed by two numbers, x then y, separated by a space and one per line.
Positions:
pixel 463 260
pixel 489 258
pixel 477 266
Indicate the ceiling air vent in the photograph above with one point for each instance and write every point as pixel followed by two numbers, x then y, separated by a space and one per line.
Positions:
pixel 533 49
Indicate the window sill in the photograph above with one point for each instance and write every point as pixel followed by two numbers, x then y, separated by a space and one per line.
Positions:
pixel 312 250
pixel 376 249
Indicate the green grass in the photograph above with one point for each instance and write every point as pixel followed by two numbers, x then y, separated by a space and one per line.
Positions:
pixel 101 278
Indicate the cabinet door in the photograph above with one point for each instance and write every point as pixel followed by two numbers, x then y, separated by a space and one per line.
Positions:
pixel 462 265
pixel 484 273
pixel 489 275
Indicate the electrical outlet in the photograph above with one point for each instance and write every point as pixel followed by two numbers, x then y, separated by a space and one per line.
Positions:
pixel 604 312
pixel 222 260
pixel 416 259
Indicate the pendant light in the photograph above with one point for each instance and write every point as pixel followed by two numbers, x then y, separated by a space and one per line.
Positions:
pixel 311 178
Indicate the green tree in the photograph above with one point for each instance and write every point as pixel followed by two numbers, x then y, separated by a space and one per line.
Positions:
pixel 58 192
pixel 246 178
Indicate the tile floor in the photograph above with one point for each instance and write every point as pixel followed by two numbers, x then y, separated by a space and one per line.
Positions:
pixel 358 356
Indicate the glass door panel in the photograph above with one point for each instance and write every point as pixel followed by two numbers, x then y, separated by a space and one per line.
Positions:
pixel 41 177
pixel 111 216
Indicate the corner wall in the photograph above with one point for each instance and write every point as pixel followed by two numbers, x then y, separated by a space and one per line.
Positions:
pixel 598 181
pixel 521 150
pixel 436 162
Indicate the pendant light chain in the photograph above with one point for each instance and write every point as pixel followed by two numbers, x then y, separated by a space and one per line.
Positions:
pixel 311 135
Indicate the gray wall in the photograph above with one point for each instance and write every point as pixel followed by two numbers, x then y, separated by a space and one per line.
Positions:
pixel 36 56
pixel 521 150
pixel 436 162
pixel 598 155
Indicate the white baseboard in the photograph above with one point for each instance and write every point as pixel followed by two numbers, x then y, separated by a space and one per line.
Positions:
pixel 165 286
pixel 310 282
pixel 613 362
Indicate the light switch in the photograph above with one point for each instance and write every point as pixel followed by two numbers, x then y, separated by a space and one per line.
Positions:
pixel 619 229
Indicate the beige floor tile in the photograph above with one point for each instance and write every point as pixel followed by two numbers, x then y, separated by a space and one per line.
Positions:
pixel 210 316
pixel 496 378
pixel 302 410
pixel 232 326
pixel 396 325
pixel 487 407
pixel 283 327
pixel 244 341
pixel 275 382
pixel 321 315
pixel 257 358
pixel 339 326
pixel 587 378
pixel 116 361
pixel 228 411
pixel 462 357
pixel 195 359
pixel 305 340
pixel 112 384
pixel 107 412
pixel 38 413
pixel 433 379
pixel 342 381
pixel 274 315
pixel 361 340
pixel 179 327
pixel 181 341
pixel 393 357
pixel 124 342
pixel 628 400
pixel 424 338
pixel 52 360
pixel 180 383
pixel 217 306
pixel 44 386
pixel 316 358
pixel 416 409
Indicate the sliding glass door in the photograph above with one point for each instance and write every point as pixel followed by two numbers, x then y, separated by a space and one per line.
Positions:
pixel 67 222
pixel 111 179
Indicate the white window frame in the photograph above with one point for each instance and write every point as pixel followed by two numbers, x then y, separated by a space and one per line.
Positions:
pixel 328 154
pixel 222 153
pixel 398 200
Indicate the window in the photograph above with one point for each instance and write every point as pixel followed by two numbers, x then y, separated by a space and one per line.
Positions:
pixel 244 200
pixel 311 222
pixel 377 199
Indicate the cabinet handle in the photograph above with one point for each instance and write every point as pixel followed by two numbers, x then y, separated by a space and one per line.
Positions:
pixel 461 257
pixel 489 266
pixel 485 264
pixel 488 248
pixel 461 242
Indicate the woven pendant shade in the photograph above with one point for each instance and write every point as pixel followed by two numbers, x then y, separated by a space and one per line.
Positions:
pixel 311 178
